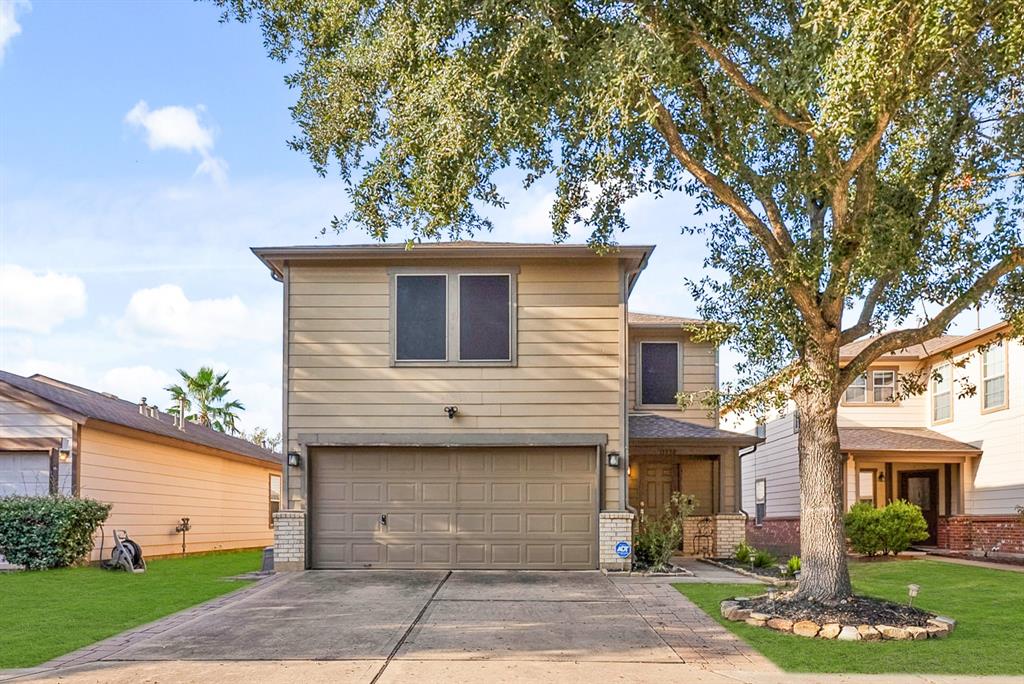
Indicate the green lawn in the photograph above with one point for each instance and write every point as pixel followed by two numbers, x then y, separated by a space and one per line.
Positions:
pixel 988 606
pixel 45 614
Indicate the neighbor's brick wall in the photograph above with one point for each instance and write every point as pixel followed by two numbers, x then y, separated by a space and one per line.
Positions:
pixel 289 541
pixel 616 526
pixel 1002 534
pixel 780 536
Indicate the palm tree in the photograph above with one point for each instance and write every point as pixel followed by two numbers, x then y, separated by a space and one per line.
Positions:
pixel 204 396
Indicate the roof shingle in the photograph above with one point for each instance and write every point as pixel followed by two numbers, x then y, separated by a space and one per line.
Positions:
pixel 899 439
pixel 651 426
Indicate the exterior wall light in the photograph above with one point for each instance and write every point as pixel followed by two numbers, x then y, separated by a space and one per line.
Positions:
pixel 451 411
pixel 614 459
pixel 294 459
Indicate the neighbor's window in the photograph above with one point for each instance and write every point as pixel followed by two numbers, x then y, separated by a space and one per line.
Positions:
pixel 760 500
pixel 659 373
pixel 883 386
pixel 485 319
pixel 421 317
pixel 761 430
pixel 866 487
pixel 857 392
pixel 942 393
pixel 275 496
pixel 993 377
pixel 796 421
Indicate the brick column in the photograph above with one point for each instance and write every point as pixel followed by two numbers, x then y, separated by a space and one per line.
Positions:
pixel 730 530
pixel 616 526
pixel 289 541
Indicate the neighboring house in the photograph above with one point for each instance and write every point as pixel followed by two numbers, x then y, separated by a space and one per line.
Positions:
pixel 957 455
pixel 486 405
pixel 58 438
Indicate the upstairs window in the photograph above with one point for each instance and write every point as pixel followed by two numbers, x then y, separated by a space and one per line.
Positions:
pixel 421 317
pixel 857 392
pixel 942 393
pixel 993 377
pixel 760 500
pixel 761 430
pixel 883 386
pixel 659 373
pixel 485 318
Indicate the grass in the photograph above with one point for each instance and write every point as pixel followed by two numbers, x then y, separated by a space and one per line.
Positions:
pixel 49 613
pixel 988 606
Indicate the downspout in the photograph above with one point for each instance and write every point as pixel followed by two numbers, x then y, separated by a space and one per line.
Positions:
pixel 739 482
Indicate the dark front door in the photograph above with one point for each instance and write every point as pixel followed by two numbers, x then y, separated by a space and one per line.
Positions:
pixel 921 488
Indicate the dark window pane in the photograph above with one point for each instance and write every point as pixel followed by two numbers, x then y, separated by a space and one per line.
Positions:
pixel 659 373
pixel 484 318
pixel 420 333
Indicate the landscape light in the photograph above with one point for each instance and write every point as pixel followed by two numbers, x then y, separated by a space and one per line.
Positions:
pixel 912 590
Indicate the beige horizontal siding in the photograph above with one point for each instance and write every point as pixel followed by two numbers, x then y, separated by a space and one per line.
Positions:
pixel 700 372
pixel 340 376
pixel 152 486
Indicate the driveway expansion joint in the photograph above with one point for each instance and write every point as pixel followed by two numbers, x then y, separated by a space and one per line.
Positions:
pixel 408 631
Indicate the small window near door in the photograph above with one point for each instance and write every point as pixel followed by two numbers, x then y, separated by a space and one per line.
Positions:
pixel 942 394
pixel 275 496
pixel 659 373
pixel 866 487
pixel 993 377
pixel 421 318
pixel 760 500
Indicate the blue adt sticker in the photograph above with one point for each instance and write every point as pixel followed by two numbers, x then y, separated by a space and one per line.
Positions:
pixel 623 549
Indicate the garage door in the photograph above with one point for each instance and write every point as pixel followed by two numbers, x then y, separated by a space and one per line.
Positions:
pixel 24 473
pixel 453 508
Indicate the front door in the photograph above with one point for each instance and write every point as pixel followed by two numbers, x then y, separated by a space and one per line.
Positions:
pixel 921 488
pixel 657 482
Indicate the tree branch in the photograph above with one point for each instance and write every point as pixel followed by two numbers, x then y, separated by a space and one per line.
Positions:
pixel 863 325
pixel 901 339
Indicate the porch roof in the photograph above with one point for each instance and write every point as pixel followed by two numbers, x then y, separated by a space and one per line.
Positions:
pixel 900 439
pixel 649 426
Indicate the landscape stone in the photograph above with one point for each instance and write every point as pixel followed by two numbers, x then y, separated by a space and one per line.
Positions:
pixel 868 633
pixel 830 631
pixel 942 621
pixel 806 628
pixel 754 621
pixel 738 614
pixel 849 633
pixel 728 606
pixel 917 633
pixel 890 632
pixel 781 624
pixel 764 617
pixel 937 632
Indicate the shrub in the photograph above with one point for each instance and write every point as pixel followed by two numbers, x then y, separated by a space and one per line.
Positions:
pixel 743 553
pixel 885 530
pixel 42 532
pixel 793 566
pixel 659 536
pixel 763 559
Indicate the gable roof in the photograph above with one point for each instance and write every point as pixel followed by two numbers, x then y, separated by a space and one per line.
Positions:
pixel 931 347
pixel 84 404
pixel 651 426
pixel 638 319
pixel 899 439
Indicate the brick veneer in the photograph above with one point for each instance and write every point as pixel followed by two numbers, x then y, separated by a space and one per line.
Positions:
pixel 289 541
pixel 1002 534
pixel 616 526
pixel 780 536
pixel 729 531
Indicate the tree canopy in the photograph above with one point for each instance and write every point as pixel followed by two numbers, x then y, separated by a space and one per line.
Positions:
pixel 205 398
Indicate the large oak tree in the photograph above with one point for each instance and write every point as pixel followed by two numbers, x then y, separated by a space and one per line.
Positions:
pixel 852 160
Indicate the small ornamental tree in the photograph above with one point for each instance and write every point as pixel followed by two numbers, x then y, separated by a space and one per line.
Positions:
pixel 848 157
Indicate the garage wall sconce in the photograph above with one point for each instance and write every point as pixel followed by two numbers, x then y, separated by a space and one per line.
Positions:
pixel 614 459
pixel 294 459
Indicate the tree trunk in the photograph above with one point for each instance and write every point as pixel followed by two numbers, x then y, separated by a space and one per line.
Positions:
pixel 824 575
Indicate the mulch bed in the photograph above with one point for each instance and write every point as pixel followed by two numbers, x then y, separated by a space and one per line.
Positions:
pixel 770 571
pixel 853 611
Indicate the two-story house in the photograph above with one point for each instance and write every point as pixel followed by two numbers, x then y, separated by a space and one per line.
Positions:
pixel 956 450
pixel 486 405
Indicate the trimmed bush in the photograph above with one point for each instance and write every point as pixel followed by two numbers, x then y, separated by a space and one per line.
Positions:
pixel 892 529
pixel 43 532
pixel 659 536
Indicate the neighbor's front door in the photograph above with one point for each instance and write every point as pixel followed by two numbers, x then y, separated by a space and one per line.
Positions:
pixel 921 488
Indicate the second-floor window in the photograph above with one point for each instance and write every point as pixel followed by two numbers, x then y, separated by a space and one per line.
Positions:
pixel 993 377
pixel 857 392
pixel 874 387
pixel 453 318
pixel 942 393
pixel 659 373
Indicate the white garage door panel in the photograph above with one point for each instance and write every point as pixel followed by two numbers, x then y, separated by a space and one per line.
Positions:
pixel 459 508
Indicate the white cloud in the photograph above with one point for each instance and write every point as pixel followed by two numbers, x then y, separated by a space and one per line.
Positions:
pixel 178 128
pixel 166 315
pixel 9 26
pixel 38 302
pixel 134 382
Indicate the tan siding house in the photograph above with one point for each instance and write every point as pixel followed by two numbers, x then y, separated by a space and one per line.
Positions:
pixel 137 459
pixel 469 405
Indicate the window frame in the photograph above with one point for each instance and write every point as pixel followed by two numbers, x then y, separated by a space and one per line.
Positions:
pixel 761 430
pixel 270 495
pixel 935 395
pixel 869 388
pixel 1005 375
pixel 760 507
pixel 639 399
pixel 452 315
pixel 847 401
pixel 796 421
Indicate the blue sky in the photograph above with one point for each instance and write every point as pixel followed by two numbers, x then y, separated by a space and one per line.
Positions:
pixel 142 152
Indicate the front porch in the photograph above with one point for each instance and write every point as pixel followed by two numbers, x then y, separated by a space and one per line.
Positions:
pixel 668 455
pixel 923 467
